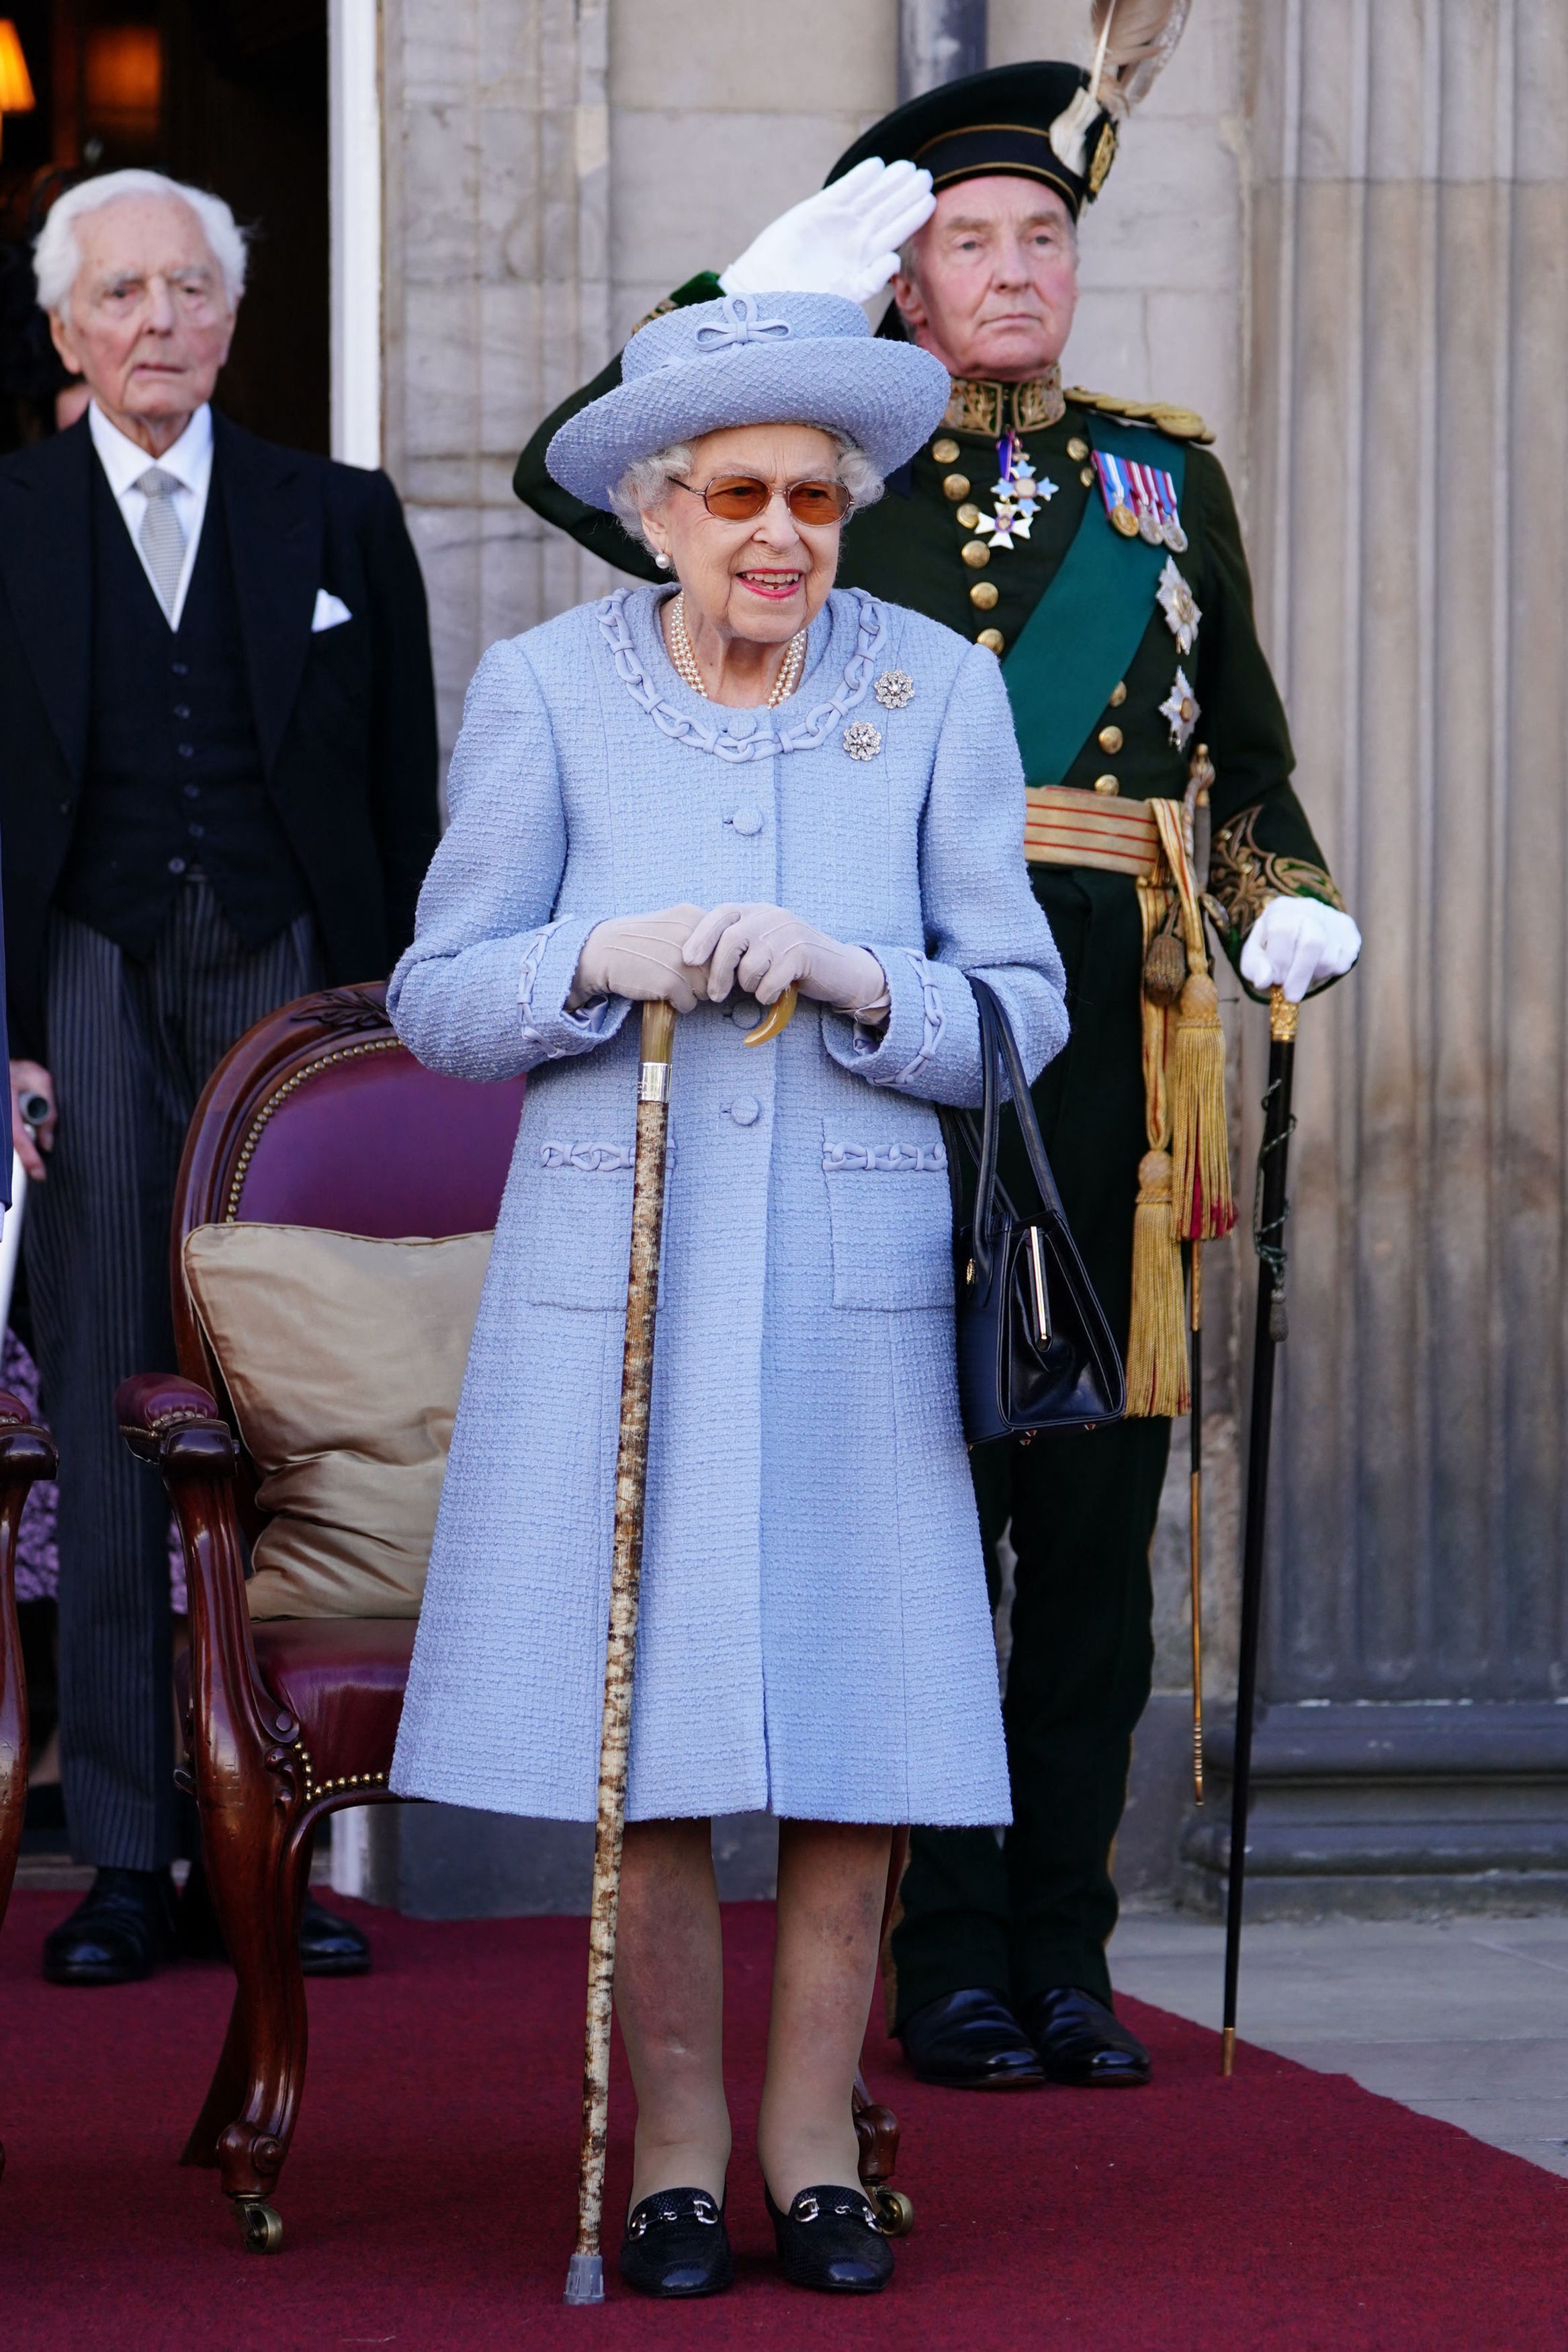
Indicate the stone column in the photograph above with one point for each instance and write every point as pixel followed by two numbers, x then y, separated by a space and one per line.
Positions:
pixel 938 40
pixel 1410 520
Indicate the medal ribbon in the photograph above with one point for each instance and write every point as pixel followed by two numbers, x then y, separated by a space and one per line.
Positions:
pixel 1112 483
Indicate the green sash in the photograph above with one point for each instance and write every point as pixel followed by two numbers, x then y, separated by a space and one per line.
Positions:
pixel 1082 636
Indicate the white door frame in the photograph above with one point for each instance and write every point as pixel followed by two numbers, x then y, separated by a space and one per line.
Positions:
pixel 354 181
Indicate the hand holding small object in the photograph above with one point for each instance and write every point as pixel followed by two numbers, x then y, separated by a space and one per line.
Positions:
pixel 639 957
pixel 844 240
pixel 33 1117
pixel 1297 942
pixel 765 950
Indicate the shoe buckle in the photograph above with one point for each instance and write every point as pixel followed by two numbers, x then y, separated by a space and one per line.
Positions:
pixel 805 2208
pixel 704 2211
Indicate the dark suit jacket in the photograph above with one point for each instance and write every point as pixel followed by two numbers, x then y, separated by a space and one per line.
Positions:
pixel 345 717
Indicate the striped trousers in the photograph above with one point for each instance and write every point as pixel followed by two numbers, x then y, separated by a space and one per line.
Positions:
pixel 131 1045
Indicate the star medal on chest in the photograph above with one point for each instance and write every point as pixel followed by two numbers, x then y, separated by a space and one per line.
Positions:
pixel 1018 493
pixel 1180 709
pixel 1179 605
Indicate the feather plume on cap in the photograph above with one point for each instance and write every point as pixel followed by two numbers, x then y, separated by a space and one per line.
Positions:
pixel 1134 43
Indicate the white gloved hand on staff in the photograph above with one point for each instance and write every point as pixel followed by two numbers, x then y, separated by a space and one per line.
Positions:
pixel 766 950
pixel 844 240
pixel 639 956
pixel 1297 942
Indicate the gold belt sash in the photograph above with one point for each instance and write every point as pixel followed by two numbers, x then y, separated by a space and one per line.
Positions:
pixel 1063 826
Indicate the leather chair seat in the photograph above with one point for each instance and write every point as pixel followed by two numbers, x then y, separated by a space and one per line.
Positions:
pixel 342 1677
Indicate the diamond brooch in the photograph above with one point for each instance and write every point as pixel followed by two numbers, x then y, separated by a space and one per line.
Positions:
pixel 894 688
pixel 862 740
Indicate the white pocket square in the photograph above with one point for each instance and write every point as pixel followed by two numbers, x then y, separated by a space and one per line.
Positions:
pixel 330 611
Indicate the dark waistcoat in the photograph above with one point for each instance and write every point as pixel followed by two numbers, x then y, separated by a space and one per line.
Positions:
pixel 174 776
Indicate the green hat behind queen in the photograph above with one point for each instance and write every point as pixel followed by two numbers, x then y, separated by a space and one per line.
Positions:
pixel 1041 120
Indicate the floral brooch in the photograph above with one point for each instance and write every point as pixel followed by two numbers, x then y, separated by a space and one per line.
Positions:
pixel 894 688
pixel 862 740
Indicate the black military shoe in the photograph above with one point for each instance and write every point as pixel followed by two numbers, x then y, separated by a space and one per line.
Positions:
pixel 1079 2041
pixel 331 1946
pixel 970 2040
pixel 119 1932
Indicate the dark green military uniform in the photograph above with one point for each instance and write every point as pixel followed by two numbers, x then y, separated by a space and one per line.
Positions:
pixel 1036 1911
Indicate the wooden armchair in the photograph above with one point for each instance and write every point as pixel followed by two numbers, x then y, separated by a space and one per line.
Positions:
pixel 26 1451
pixel 317 1116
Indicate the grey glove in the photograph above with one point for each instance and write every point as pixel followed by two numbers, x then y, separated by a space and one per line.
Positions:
pixel 639 956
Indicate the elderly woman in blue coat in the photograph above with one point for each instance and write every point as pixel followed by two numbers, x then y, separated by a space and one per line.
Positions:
pixel 706 792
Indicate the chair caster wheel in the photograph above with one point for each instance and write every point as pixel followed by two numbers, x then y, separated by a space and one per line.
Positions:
pixel 895 2212
pixel 261 2226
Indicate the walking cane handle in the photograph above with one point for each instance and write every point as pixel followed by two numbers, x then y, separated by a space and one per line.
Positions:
pixel 777 1019
pixel 658 1031
pixel 1282 1017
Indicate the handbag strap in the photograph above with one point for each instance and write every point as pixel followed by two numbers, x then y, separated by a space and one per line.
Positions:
pixel 1000 1054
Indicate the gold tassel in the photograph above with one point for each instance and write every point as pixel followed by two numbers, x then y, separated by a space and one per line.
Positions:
pixel 1200 1141
pixel 1156 1341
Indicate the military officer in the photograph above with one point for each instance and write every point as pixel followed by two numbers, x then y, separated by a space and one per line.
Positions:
pixel 1091 542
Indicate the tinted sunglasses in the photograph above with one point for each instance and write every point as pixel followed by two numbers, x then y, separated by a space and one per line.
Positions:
pixel 741 498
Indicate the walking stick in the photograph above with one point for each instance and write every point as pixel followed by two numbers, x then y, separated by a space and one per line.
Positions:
pixel 1270 1209
pixel 585 2272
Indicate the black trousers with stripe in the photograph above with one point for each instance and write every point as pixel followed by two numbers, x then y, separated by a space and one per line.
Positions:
pixel 130 1045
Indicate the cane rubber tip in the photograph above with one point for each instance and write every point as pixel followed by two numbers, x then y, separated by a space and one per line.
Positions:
pixel 585 2279
pixel 1227 2054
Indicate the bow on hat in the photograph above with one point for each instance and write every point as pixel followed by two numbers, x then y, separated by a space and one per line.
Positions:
pixel 740 325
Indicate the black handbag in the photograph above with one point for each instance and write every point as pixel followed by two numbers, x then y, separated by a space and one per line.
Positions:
pixel 1035 1350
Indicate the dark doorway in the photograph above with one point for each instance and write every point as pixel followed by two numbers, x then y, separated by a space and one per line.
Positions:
pixel 228 94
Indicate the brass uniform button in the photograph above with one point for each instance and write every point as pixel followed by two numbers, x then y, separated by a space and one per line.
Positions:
pixel 944 451
pixel 1106 786
pixel 1118 694
pixel 955 486
pixel 993 638
pixel 1087 477
pixel 969 517
pixel 976 553
pixel 1110 739
pixel 984 594
pixel 1078 449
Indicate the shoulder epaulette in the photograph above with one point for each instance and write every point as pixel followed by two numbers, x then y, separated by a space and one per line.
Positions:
pixel 1181 423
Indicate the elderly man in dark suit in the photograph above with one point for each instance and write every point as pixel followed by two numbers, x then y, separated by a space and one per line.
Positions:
pixel 218 791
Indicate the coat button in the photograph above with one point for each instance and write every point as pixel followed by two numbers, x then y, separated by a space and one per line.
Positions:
pixel 746 1110
pixel 176 865
pixel 747 820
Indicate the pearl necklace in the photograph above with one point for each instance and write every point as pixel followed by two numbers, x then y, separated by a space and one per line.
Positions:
pixel 685 660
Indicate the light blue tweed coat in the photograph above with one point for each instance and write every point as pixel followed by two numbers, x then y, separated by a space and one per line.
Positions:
pixel 815 1637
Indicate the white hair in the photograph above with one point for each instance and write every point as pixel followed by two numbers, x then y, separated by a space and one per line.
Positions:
pixel 57 254
pixel 646 485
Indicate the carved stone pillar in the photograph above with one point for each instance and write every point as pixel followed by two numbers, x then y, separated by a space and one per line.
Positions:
pixel 1409 443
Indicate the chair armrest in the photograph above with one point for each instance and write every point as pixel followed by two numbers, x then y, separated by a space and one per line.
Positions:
pixel 152 1407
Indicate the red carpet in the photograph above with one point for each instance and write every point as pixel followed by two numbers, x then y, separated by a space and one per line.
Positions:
pixel 429 2197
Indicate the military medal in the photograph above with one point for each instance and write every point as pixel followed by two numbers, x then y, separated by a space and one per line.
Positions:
pixel 1145 503
pixel 1114 491
pixel 1171 530
pixel 1018 494
pixel 1179 605
pixel 1180 708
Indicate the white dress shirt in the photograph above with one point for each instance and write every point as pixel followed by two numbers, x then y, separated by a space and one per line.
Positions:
pixel 190 460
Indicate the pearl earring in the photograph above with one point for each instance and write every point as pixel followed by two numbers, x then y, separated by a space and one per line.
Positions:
pixel 662 561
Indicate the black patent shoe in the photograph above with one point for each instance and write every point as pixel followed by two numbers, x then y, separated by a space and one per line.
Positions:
pixel 831 2239
pixel 329 1946
pixel 971 2041
pixel 1082 2042
pixel 676 2245
pixel 119 1932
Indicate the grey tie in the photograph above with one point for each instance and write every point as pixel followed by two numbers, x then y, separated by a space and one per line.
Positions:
pixel 162 538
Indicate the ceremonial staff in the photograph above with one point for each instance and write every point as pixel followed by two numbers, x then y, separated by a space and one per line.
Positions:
pixel 585 2272
pixel 1270 1209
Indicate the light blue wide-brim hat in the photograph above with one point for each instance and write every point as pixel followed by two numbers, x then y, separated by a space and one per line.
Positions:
pixel 753 359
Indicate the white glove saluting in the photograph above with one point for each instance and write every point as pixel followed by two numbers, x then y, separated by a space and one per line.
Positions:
pixel 639 956
pixel 765 950
pixel 1295 943
pixel 844 240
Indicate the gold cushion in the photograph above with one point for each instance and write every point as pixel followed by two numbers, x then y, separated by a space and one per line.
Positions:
pixel 343 1358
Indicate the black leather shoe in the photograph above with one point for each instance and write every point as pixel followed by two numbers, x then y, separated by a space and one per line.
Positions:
pixel 1079 2041
pixel 970 2041
pixel 117 1933
pixel 830 2239
pixel 331 1946
pixel 676 2245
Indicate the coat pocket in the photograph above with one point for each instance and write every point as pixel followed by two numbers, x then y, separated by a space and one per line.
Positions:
pixel 578 1207
pixel 892 1217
